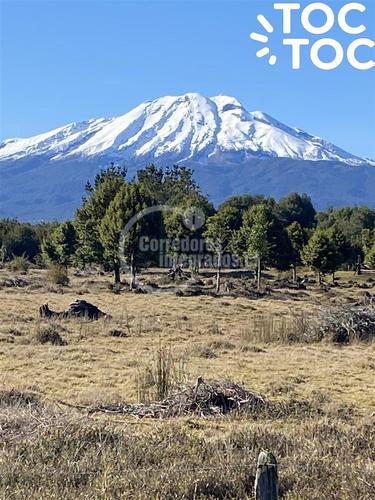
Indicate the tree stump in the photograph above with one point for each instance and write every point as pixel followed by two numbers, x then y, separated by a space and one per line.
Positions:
pixel 266 481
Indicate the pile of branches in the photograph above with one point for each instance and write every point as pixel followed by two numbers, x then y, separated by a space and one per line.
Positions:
pixel 201 399
pixel 343 324
pixel 15 282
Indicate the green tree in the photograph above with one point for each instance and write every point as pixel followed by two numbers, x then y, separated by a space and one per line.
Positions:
pixel 320 253
pixel 220 230
pixel 170 186
pixel 18 239
pixel 368 239
pixel 297 237
pixel 343 249
pixel 179 185
pixel 351 221
pixel 255 229
pixel 130 202
pixel 153 179
pixel 60 246
pixel 296 208
pixel 88 218
pixel 280 247
pixel 370 257
pixel 186 223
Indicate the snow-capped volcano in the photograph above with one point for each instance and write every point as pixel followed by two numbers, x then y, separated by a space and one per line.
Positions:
pixel 231 151
pixel 188 128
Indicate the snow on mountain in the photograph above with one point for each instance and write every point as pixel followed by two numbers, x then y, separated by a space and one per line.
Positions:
pixel 188 128
pixel 231 151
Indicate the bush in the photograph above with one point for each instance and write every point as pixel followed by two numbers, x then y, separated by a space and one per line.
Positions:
pixel 343 324
pixel 15 398
pixel 19 263
pixel 58 274
pixel 158 377
pixel 49 335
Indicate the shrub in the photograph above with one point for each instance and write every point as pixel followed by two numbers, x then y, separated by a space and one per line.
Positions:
pixel 49 335
pixel 117 333
pixel 343 324
pixel 15 398
pixel 19 263
pixel 58 274
pixel 157 378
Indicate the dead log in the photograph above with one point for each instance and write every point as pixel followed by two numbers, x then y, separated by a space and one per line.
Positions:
pixel 77 309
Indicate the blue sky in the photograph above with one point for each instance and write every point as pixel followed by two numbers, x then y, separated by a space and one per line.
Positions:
pixel 65 61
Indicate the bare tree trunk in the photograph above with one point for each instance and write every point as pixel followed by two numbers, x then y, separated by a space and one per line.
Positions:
pixel 218 274
pixel 259 273
pixel 333 276
pixel 359 266
pixel 294 274
pixel 132 272
pixel 319 277
pixel 116 269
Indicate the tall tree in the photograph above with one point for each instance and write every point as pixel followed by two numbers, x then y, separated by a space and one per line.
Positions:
pixel 297 237
pixel 351 221
pixel 368 239
pixel 126 211
pixel 370 257
pixel 18 239
pixel 219 232
pixel 342 249
pixel 88 218
pixel 296 208
pixel 255 228
pixel 60 246
pixel 320 253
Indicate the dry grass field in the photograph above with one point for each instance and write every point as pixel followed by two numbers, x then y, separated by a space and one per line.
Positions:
pixel 51 450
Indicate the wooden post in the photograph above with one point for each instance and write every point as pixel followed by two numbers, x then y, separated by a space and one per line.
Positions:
pixel 266 480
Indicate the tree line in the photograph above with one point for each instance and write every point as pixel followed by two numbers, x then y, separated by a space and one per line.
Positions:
pixel 285 234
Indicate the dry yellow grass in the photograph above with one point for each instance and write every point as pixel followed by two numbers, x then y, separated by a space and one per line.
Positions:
pixel 53 451
pixel 216 338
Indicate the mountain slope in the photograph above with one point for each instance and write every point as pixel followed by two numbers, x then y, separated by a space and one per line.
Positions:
pixel 184 128
pixel 231 150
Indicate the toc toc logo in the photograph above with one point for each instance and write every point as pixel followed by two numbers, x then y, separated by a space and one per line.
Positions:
pixel 296 44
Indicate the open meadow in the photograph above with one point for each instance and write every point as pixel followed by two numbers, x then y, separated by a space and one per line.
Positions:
pixel 54 372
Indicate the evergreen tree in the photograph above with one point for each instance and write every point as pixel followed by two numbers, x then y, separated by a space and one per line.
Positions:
pixel 179 185
pixel 280 247
pixel 170 186
pixel 60 246
pixel 370 257
pixel 18 239
pixel 118 245
pixel 343 250
pixel 153 180
pixel 351 221
pixel 320 253
pixel 368 240
pixel 88 218
pixel 242 204
pixel 255 229
pixel 296 208
pixel 220 230
pixel 297 237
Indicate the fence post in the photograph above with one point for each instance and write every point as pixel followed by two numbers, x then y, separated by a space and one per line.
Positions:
pixel 266 487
